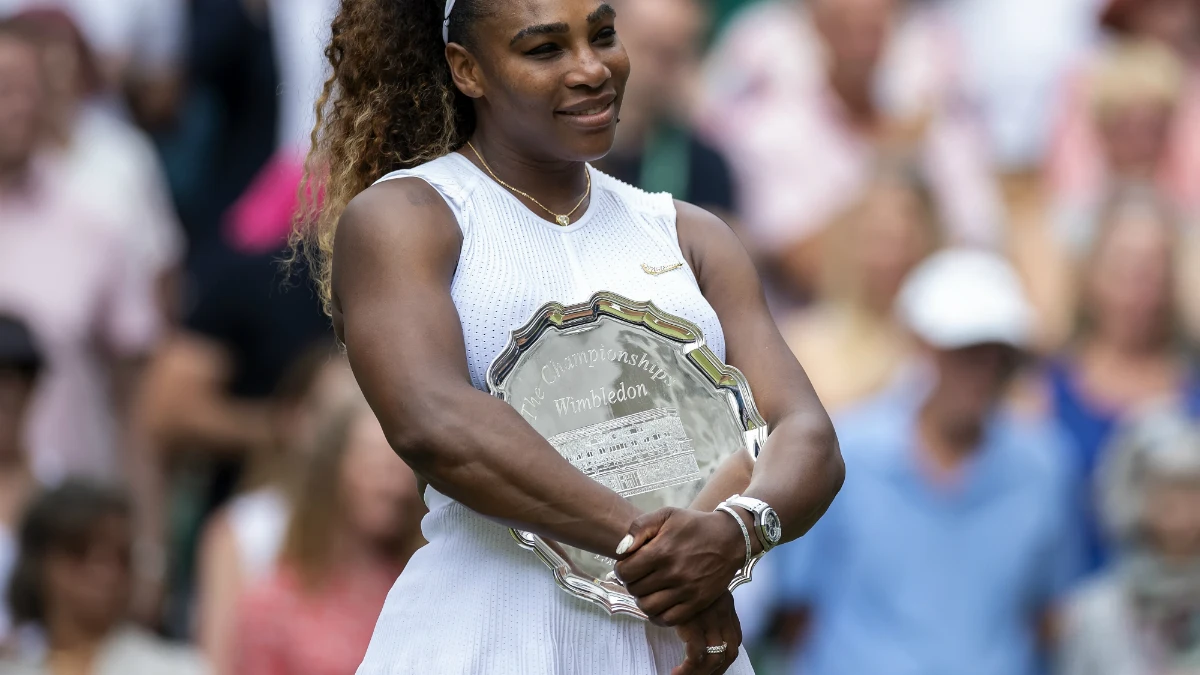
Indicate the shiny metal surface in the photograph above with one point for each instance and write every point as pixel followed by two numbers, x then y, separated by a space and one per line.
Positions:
pixel 633 398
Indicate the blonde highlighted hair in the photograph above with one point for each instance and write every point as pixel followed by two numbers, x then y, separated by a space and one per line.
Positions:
pixel 1134 71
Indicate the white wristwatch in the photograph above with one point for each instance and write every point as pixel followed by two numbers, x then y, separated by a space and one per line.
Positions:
pixel 766 521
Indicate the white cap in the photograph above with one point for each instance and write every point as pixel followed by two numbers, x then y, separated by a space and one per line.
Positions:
pixel 962 297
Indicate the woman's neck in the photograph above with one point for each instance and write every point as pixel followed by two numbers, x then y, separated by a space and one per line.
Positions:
pixel 947 440
pixel 557 184
pixel 1103 352
pixel 73 647
pixel 1117 375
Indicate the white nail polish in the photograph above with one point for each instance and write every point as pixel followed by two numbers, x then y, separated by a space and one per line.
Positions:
pixel 625 544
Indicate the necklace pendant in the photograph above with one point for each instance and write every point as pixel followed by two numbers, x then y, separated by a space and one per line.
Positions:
pixel 563 220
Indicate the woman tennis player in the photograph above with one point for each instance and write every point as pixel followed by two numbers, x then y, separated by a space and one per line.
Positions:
pixel 454 138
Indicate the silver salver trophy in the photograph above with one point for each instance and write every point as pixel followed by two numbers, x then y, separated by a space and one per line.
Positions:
pixel 633 398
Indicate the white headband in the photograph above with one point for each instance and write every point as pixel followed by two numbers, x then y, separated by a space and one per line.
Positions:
pixel 446 21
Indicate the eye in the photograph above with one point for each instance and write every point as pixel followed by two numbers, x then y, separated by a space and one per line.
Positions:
pixel 606 36
pixel 545 49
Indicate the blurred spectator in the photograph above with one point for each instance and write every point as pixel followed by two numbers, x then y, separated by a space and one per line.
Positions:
pixel 110 167
pixel 656 148
pixel 73 284
pixel 1128 349
pixel 802 97
pixel 210 386
pixel 949 545
pixel 93 308
pixel 849 342
pixel 262 217
pixel 20 364
pixel 228 126
pixel 1174 22
pixel 1016 54
pixel 241 542
pixel 1131 112
pixel 1128 129
pixel 209 395
pixel 73 581
pixel 1143 618
pixel 356 523
pixel 140 45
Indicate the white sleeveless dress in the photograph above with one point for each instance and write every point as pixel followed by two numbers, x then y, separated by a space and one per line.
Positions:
pixel 472 601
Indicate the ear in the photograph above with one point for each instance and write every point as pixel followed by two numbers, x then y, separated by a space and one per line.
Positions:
pixel 464 69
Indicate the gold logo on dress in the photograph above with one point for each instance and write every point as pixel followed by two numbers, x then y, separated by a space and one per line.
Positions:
pixel 658 271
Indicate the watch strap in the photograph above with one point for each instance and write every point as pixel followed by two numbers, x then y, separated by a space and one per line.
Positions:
pixel 759 508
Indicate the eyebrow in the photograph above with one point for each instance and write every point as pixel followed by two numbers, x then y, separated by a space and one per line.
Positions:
pixel 602 12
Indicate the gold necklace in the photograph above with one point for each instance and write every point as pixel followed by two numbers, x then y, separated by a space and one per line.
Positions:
pixel 563 219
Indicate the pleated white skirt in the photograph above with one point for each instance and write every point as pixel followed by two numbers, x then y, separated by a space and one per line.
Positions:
pixel 472 601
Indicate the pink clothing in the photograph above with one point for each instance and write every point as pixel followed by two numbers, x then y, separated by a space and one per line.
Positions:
pixel 284 630
pixel 260 220
pixel 71 281
pixel 768 105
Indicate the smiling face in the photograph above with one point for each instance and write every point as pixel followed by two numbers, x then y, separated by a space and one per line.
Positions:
pixel 547 77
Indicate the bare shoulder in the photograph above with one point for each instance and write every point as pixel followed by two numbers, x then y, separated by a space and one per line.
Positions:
pixel 399 227
pixel 403 209
pixel 704 237
pixel 395 237
pixel 694 221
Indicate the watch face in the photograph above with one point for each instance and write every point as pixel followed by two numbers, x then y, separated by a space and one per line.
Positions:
pixel 771 526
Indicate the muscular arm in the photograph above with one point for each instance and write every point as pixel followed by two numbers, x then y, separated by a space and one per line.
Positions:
pixel 395 255
pixel 800 469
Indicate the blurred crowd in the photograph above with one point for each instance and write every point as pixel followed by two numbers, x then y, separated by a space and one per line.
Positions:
pixel 976 221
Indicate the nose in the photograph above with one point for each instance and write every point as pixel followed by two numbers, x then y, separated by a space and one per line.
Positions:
pixel 588 71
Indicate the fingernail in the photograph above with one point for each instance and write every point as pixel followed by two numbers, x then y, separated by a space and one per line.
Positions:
pixel 625 544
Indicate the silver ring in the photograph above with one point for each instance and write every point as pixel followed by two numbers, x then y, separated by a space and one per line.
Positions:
pixel 717 649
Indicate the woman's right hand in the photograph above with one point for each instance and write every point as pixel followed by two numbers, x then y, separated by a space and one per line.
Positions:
pixel 680 561
pixel 710 628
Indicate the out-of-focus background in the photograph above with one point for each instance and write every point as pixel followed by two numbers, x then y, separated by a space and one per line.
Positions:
pixel 975 221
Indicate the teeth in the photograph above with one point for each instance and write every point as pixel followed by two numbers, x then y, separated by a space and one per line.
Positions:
pixel 592 111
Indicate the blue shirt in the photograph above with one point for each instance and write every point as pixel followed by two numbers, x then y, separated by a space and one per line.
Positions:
pixel 1091 429
pixel 906 577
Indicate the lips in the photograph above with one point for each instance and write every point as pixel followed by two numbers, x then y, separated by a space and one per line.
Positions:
pixel 591 115
pixel 591 106
pixel 590 111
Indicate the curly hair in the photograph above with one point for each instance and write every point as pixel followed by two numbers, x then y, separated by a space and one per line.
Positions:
pixel 389 104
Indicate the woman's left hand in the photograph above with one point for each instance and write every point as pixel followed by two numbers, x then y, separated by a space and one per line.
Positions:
pixel 681 561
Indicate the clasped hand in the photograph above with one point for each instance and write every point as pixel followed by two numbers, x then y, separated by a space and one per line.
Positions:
pixel 679 568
